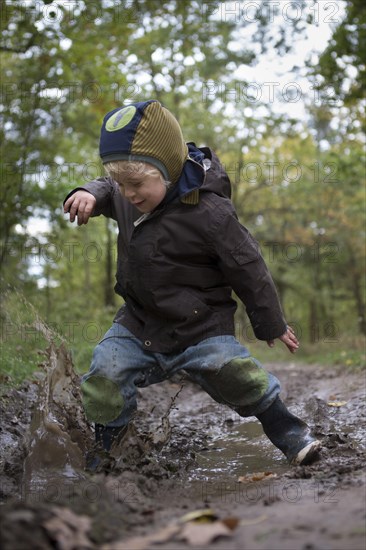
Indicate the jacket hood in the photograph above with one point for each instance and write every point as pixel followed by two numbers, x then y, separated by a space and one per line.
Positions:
pixel 201 172
pixel 216 180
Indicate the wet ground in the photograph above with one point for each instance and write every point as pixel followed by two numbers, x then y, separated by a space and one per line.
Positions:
pixel 188 474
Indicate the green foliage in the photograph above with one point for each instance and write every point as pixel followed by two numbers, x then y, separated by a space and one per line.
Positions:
pixel 25 334
pixel 307 214
pixel 22 343
pixel 346 49
pixel 348 353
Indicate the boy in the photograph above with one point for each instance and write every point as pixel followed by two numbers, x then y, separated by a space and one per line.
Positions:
pixel 181 252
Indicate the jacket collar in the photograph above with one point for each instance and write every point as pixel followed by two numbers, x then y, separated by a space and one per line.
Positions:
pixel 190 180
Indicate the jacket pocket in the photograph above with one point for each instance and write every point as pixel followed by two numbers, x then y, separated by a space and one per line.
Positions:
pixel 190 307
pixel 246 252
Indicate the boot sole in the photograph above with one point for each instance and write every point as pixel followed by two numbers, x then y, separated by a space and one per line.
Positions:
pixel 307 454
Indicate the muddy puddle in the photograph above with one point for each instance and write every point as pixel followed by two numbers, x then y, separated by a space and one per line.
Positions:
pixel 240 452
pixel 183 452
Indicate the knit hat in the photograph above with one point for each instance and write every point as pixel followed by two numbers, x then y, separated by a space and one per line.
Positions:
pixel 144 131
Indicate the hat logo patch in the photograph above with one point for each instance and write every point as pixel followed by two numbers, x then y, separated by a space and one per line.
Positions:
pixel 120 119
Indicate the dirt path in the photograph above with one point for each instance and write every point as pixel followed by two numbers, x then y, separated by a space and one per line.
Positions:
pixel 183 453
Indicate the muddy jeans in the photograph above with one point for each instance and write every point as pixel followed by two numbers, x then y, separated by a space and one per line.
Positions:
pixel 220 365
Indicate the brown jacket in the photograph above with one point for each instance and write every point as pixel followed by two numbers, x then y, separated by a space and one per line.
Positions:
pixel 177 268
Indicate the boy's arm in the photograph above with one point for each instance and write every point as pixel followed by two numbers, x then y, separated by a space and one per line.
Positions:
pixel 289 339
pixel 80 204
pixel 92 199
pixel 244 267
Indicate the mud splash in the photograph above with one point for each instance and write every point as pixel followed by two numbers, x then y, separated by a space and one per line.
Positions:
pixel 58 434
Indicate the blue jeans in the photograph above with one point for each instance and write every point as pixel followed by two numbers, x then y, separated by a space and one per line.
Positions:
pixel 220 365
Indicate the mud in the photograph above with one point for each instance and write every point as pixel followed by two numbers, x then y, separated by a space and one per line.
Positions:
pixel 183 453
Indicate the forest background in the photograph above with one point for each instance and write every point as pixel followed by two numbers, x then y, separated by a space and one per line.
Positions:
pixel 294 150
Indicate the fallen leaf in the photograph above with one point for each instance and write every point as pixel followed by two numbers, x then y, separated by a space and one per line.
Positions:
pixel 256 476
pixel 205 515
pixel 68 530
pixel 192 531
pixel 202 534
pixel 231 523
pixel 336 403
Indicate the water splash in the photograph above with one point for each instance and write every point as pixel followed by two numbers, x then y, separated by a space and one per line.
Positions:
pixel 58 433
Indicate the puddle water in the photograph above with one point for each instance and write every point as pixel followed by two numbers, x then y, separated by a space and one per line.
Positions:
pixel 240 452
pixel 236 447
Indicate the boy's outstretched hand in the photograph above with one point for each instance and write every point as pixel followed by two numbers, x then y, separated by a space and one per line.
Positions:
pixel 289 339
pixel 80 204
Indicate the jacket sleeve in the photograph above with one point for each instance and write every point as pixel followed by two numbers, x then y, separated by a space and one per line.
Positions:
pixel 104 190
pixel 244 268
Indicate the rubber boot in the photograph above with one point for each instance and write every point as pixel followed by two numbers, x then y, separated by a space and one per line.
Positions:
pixel 104 438
pixel 290 434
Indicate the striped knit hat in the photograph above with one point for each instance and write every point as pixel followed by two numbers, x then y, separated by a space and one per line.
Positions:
pixel 144 131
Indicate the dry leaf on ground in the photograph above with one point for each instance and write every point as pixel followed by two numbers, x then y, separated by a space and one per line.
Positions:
pixel 68 530
pixel 256 476
pixel 206 515
pixel 197 528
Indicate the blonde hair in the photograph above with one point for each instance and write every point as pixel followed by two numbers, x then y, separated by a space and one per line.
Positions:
pixel 125 168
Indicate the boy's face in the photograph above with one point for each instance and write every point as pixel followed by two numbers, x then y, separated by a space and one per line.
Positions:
pixel 145 191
